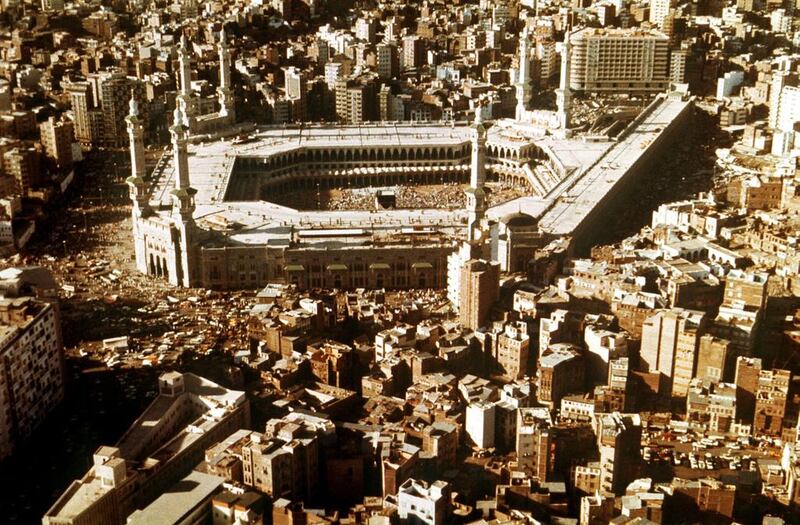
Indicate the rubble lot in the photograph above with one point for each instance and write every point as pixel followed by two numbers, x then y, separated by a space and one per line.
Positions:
pixel 90 252
pixel 103 296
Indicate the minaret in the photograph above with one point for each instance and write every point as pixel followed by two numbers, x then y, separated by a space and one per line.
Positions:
pixel 476 197
pixel 136 183
pixel 183 192
pixel 563 93
pixel 182 202
pixel 523 87
pixel 226 105
pixel 185 98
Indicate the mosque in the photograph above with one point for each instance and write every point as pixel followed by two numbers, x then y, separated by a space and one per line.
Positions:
pixel 200 219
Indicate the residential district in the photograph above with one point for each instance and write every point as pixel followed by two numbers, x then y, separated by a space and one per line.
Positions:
pixel 395 262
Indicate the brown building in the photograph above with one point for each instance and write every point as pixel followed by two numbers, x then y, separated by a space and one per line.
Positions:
pixel 479 289
pixel 619 439
pixel 772 397
pixel 670 340
pixel 511 349
pixel 746 291
pixel 748 371
pixel 332 363
pixel 57 137
pixel 560 372
pixel 535 440
pixel 23 164
pixel 714 359
pixel 711 498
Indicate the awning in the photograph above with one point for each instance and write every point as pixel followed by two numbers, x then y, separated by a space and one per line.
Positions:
pixel 294 268
pixel 421 266
pixel 337 267
pixel 379 266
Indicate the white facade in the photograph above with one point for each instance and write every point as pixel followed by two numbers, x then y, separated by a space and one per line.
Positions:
pixel 784 104
pixel 480 423
pixel 728 83
pixel 419 503
pixel 659 9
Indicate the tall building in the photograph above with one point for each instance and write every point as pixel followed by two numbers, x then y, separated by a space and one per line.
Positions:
pixel 57 137
pixel 115 90
pixel 296 93
pixel 670 341
pixel 387 63
pixel 534 442
pixel 366 29
pixel 24 166
pixel 772 402
pixel 748 372
pixel 357 99
pixel 560 372
pixel 413 52
pixel 714 359
pixel 632 61
pixel 88 120
pixel 513 350
pixel 784 101
pixel 31 367
pixel 479 290
pixel 479 424
pixel 659 9
pixel 619 439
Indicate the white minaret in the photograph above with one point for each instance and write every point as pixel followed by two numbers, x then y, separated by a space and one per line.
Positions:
pixel 182 203
pixel 136 183
pixel 226 105
pixel 185 98
pixel 563 92
pixel 180 140
pixel 476 196
pixel 523 87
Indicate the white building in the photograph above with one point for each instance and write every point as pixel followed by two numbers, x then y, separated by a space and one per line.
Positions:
pixel 780 21
pixel 659 9
pixel 419 503
pixel 480 423
pixel 784 103
pixel 602 345
pixel 727 84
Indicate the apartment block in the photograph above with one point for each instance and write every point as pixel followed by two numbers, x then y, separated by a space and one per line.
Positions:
pixel 31 367
pixel 632 61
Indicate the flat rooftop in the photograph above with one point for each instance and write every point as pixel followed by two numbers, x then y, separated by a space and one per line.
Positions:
pixel 179 501
pixel 573 200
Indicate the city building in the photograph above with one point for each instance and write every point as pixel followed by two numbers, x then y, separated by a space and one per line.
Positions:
pixel 560 372
pixel 420 503
pixel 632 61
pixel 31 367
pixel 669 348
pixel 534 442
pixel 188 416
pixel 619 442
pixel 57 138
